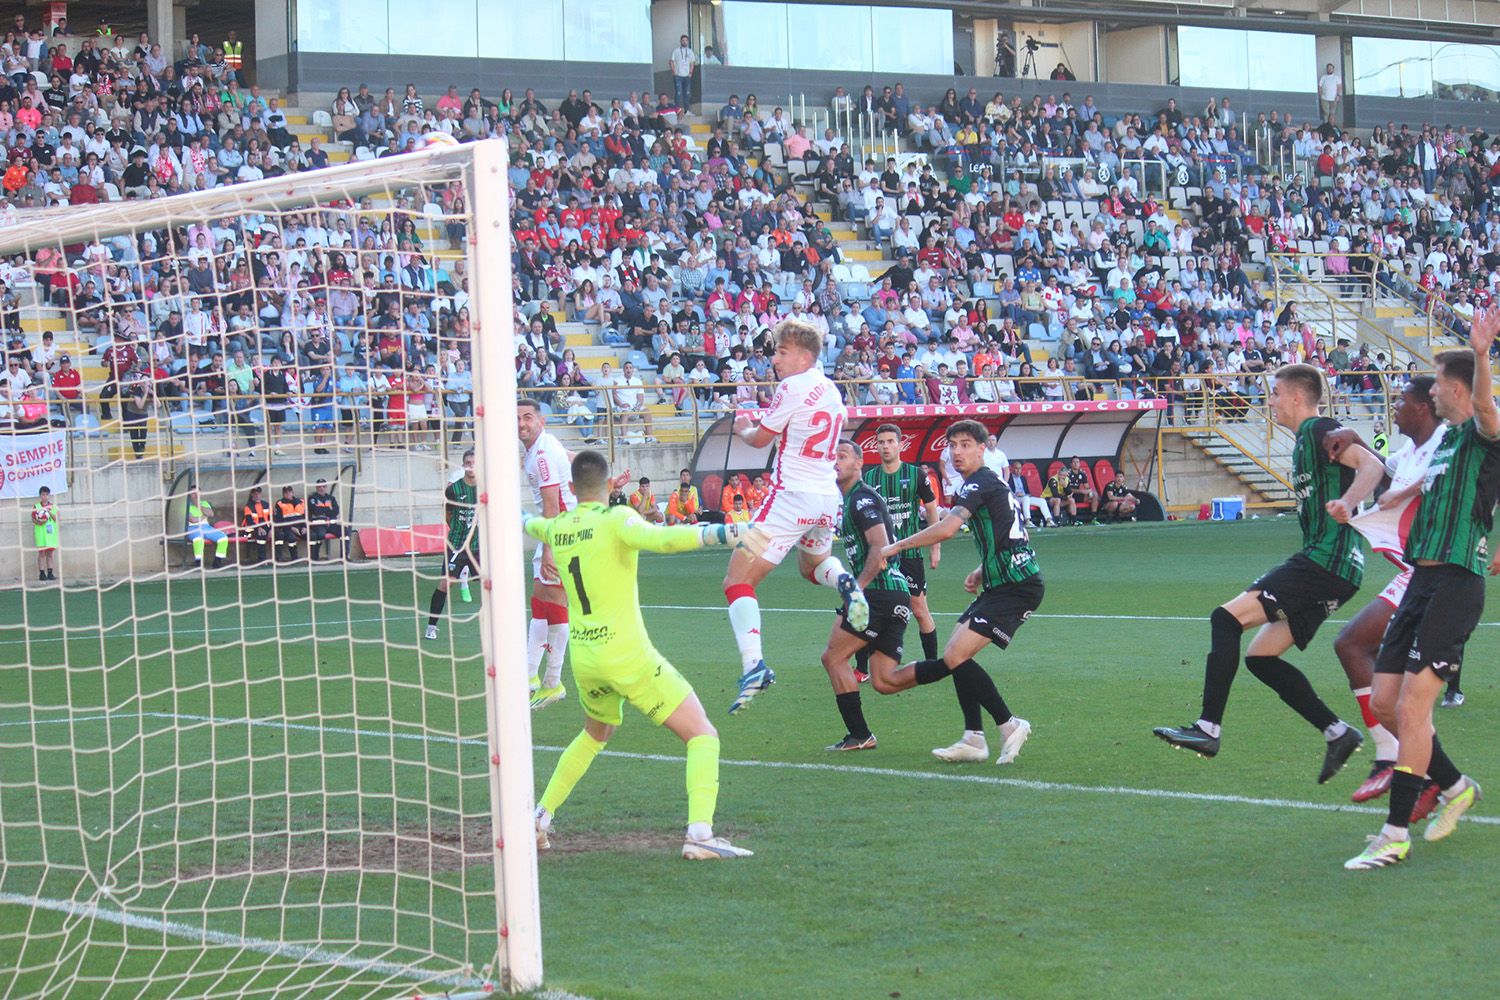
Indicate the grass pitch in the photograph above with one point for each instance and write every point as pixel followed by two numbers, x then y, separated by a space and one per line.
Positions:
pixel 1100 863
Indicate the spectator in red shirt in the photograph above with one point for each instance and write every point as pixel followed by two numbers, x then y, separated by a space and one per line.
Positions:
pixel 67 383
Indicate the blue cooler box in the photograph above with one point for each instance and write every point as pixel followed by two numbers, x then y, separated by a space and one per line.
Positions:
pixel 1226 509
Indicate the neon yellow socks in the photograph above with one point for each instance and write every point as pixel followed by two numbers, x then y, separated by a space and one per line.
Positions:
pixel 575 762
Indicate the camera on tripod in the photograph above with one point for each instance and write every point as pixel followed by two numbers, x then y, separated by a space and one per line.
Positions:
pixel 1032 44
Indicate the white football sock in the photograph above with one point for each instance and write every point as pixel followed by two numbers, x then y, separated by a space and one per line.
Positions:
pixel 828 573
pixel 1211 728
pixel 700 832
pixel 557 647
pixel 1386 744
pixel 536 644
pixel 1458 786
pixel 744 618
pixel 1336 730
pixel 974 737
pixel 1395 832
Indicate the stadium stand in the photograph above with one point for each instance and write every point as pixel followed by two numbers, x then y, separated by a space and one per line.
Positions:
pixel 1006 252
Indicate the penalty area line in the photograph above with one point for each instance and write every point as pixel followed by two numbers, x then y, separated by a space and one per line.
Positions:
pixel 1029 784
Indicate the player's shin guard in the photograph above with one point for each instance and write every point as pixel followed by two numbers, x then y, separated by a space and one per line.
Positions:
pixel 536 636
pixel 1293 687
pixel 930 670
pixel 852 713
pixel 1386 746
pixel 436 605
pixel 929 645
pixel 702 780
pixel 1225 633
pixel 1441 768
pixel 744 618
pixel 1405 788
pixel 981 687
pixel 828 573
pixel 572 766
pixel 557 648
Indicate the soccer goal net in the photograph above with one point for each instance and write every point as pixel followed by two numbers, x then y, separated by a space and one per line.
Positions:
pixel 232 763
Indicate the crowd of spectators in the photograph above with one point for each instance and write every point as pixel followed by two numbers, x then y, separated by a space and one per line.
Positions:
pixel 1027 227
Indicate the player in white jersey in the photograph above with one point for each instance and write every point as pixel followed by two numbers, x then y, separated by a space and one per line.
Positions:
pixel 546 465
pixel 803 506
pixel 1385 526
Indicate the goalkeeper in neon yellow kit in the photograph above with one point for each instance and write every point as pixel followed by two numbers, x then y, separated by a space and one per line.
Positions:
pixel 596 548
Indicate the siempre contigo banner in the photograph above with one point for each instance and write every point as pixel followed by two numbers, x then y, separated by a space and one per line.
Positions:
pixel 30 461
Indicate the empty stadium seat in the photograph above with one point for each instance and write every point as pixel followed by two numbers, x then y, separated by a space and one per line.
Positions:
pixel 1034 482
pixel 1104 472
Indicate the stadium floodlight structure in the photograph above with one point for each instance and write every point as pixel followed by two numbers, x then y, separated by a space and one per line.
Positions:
pixel 259 781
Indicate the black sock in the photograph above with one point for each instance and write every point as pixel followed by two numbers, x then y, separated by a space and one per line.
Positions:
pixel 1453 687
pixel 982 685
pixel 1442 769
pixel 854 716
pixel 968 704
pixel 439 601
pixel 1225 634
pixel 929 645
pixel 1405 787
pixel 1293 687
pixel 862 660
pixel 930 671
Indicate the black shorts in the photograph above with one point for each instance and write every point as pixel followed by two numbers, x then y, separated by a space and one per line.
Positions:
pixel 997 613
pixel 275 415
pixel 914 568
pixel 1302 594
pixel 890 610
pixel 460 560
pixel 1436 617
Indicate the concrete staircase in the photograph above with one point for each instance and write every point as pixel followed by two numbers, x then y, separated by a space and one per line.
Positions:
pixel 1264 487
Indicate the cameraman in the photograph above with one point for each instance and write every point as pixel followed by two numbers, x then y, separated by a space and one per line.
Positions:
pixel 1005 54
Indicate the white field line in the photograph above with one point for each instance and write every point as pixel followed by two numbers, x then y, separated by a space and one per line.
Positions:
pixel 958 776
pixel 263 946
pixel 80 632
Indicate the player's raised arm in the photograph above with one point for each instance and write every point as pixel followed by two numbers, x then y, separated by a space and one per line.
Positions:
pixel 1482 332
pixel 635 532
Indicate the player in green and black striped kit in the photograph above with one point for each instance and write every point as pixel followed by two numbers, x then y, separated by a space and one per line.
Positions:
pixel 1289 603
pixel 1008 585
pixel 865 530
pixel 907 492
pixel 460 502
pixel 1448 549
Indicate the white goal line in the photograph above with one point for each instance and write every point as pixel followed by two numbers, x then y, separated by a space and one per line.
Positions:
pixel 879 772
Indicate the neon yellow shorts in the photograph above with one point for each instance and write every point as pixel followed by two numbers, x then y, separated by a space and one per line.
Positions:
pixel 651 684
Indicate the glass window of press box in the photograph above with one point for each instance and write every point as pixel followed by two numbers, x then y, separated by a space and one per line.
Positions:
pixel 1386 67
pixel 575 30
pixel 1231 59
pixel 839 37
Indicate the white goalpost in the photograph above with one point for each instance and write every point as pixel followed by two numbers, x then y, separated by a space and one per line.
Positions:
pixel 230 764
